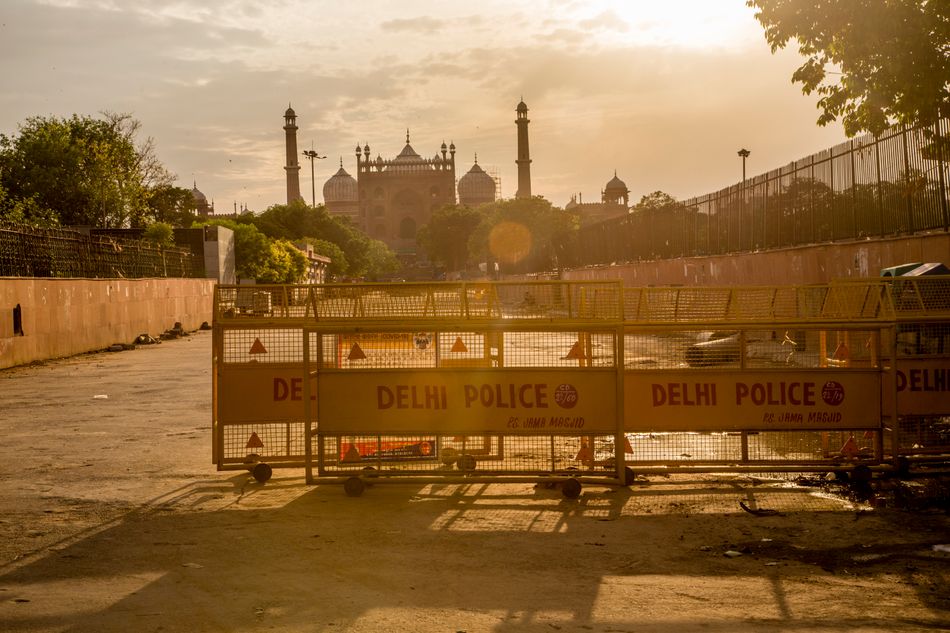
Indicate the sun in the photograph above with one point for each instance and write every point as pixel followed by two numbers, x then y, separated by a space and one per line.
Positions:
pixel 684 23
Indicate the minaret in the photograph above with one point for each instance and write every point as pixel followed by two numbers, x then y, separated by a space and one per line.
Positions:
pixel 524 156
pixel 293 167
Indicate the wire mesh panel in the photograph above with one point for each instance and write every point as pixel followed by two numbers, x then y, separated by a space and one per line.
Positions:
pixel 783 449
pixel 270 442
pixel 922 347
pixel 839 301
pixel 437 301
pixel 258 393
pixel 745 375
pixel 492 402
pixel 481 455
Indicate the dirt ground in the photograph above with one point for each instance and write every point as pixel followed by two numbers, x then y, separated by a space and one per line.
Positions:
pixel 114 519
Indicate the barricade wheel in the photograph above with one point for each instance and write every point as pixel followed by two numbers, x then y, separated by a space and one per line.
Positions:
pixel 571 489
pixel 262 472
pixel 466 462
pixel 629 477
pixel 903 466
pixel 861 474
pixel 448 456
pixel 354 487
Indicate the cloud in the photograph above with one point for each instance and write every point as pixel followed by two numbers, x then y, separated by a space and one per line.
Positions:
pixel 210 83
pixel 607 20
pixel 421 24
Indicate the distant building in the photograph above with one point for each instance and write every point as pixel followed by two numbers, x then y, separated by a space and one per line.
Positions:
pixel 317 265
pixel 398 196
pixel 476 187
pixel 341 195
pixel 202 208
pixel 292 167
pixel 524 154
pixel 614 201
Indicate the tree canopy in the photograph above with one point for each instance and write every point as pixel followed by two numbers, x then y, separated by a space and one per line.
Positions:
pixel 872 63
pixel 86 171
pixel 362 256
pixel 445 237
pixel 517 234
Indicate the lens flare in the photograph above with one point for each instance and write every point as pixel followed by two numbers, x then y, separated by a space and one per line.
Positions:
pixel 509 242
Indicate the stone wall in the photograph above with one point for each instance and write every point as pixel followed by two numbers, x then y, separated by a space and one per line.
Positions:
pixel 62 317
pixel 801 265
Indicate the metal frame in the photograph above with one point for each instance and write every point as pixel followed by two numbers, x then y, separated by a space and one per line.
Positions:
pixel 293 322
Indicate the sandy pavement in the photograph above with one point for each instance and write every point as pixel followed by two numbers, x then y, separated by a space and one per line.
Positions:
pixel 114 519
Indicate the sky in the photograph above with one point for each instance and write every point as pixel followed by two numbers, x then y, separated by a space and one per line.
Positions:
pixel 664 93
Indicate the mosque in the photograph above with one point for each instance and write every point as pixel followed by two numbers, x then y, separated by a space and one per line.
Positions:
pixel 614 201
pixel 390 199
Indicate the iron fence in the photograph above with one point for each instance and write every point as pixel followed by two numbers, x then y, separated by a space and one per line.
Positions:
pixel 27 252
pixel 893 184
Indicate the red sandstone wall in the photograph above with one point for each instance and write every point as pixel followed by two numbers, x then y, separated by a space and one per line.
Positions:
pixel 62 317
pixel 802 265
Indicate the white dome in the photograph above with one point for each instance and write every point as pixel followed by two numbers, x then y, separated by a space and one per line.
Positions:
pixel 341 187
pixel 476 187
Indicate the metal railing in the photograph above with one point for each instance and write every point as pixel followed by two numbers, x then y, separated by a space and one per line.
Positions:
pixel 28 252
pixel 893 184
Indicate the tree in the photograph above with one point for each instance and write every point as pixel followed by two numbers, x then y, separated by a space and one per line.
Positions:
pixel 285 264
pixel 660 220
pixel 297 220
pixel 893 57
pixel 160 234
pixel 338 263
pixel 518 233
pixel 252 249
pixel 24 212
pixel 378 261
pixel 174 205
pixel 86 171
pixel 445 237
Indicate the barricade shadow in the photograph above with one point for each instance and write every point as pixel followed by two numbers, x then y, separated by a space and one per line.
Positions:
pixel 230 554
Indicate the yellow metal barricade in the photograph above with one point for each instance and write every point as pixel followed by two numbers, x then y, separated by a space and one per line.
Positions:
pixel 922 351
pixel 779 378
pixel 496 381
pixel 570 382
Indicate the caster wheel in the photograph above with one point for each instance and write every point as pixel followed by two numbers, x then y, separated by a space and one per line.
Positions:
pixel 629 477
pixel 466 463
pixel 903 467
pixel 354 487
pixel 262 472
pixel 861 474
pixel 448 456
pixel 571 489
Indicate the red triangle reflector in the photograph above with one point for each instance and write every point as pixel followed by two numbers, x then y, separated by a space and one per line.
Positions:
pixel 257 347
pixel 576 353
pixel 356 353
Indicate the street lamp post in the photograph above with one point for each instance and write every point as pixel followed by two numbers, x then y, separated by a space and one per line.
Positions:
pixel 744 154
pixel 311 154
